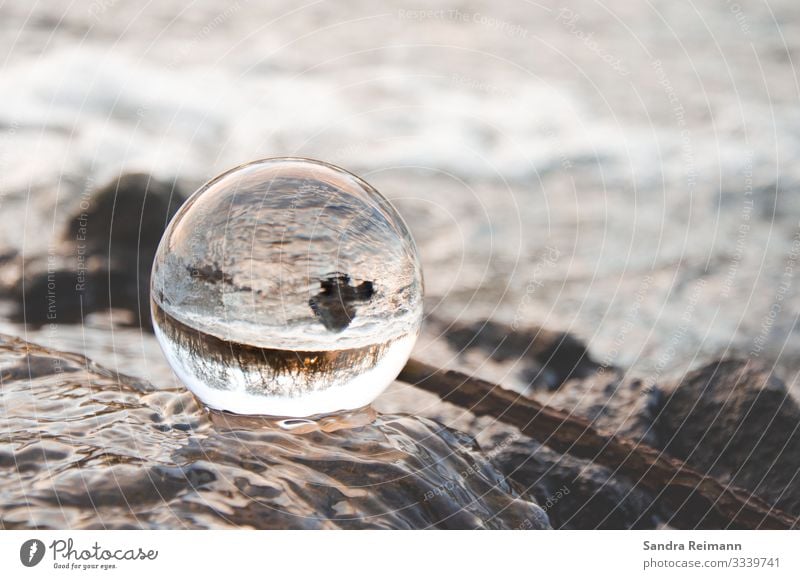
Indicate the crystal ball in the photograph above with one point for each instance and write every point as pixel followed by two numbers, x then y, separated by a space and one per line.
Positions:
pixel 286 287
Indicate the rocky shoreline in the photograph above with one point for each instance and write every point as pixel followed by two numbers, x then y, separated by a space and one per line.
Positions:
pixel 87 447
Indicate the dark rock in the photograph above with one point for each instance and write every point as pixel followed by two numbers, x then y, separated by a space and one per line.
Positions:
pixel 547 358
pixel 737 422
pixel 104 258
pixel 612 401
pixel 575 493
pixel 125 219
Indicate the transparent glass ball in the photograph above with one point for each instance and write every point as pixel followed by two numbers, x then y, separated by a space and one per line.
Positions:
pixel 287 287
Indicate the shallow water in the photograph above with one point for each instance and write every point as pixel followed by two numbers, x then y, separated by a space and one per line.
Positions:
pixel 83 448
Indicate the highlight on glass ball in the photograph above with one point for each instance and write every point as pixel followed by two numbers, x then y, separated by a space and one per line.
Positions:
pixel 287 287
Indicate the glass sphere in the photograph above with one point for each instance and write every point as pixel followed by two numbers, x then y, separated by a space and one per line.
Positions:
pixel 287 287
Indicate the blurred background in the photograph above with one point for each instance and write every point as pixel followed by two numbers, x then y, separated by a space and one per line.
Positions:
pixel 624 172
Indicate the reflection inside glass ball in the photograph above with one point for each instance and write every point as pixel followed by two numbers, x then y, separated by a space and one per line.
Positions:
pixel 287 287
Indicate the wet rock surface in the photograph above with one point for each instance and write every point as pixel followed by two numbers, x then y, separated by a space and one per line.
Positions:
pixel 736 421
pixel 575 493
pixel 612 401
pixel 441 479
pixel 84 447
pixel 732 420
